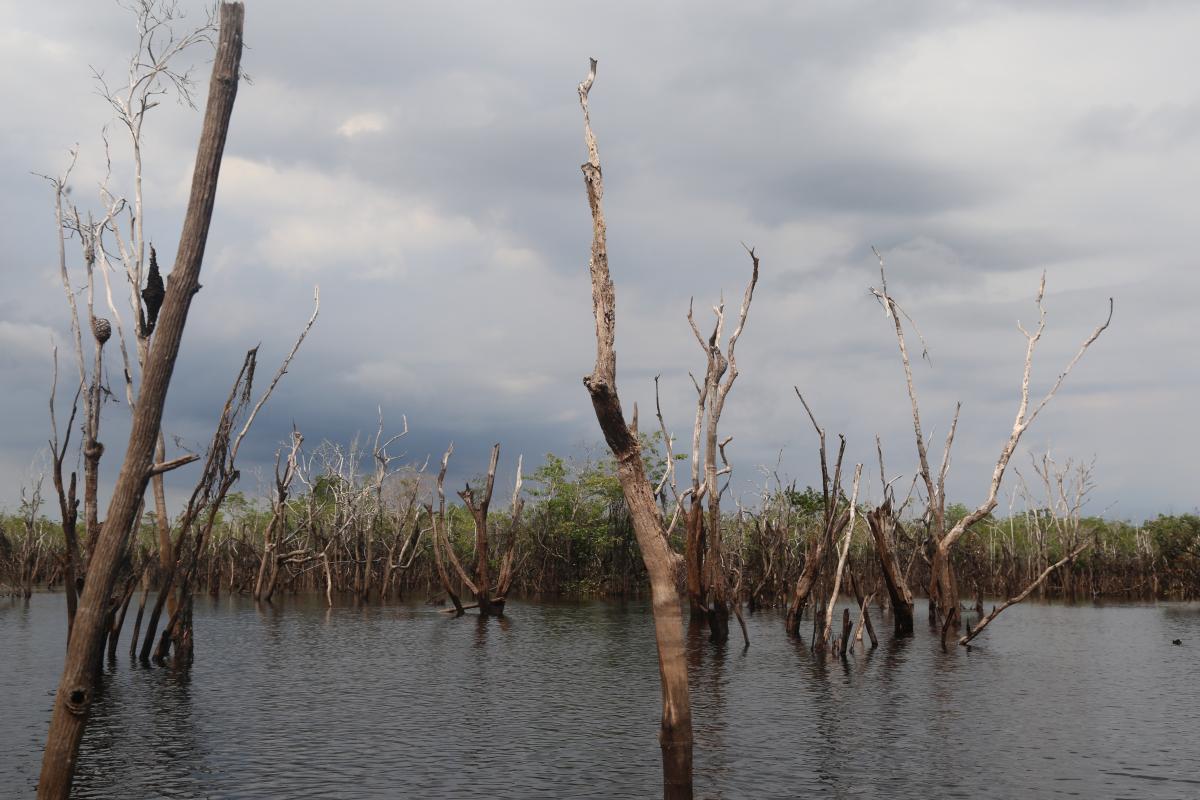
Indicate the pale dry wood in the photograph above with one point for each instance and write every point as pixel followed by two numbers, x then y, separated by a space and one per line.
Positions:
pixel 843 551
pixel 943 592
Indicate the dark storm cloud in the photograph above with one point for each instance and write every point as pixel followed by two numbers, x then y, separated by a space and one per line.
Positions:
pixel 421 163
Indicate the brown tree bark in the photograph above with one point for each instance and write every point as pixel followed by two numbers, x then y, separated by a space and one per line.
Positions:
pixel 661 561
pixel 833 523
pixel 479 513
pixel 694 549
pixel 75 693
pixel 882 525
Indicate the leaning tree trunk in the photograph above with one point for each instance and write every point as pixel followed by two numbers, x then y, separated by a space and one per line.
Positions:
pixel 675 735
pixel 75 692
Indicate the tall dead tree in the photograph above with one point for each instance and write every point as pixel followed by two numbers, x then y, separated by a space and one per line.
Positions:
pixel 661 562
pixel 704 554
pixel 152 73
pixel 943 589
pixel 76 689
pixel 843 551
pixel 835 516
pixel 440 535
pixel 273 535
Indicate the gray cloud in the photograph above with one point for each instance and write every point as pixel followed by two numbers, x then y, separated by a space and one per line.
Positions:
pixel 421 165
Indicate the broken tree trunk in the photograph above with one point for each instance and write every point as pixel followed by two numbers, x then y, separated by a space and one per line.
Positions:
pixel 883 526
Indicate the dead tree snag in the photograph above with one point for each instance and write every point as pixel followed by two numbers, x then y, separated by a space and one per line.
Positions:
pixel 75 692
pixel 943 589
pixel 661 561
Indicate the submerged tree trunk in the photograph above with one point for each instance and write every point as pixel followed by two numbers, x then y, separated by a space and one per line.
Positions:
pixel 943 588
pixel 479 513
pixel 661 561
pixel 694 547
pixel 882 525
pixel 75 692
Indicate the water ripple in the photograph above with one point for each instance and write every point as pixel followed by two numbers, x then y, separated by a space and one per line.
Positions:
pixel 562 701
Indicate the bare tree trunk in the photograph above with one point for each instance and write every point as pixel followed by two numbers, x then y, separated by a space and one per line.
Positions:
pixel 694 547
pixel 661 561
pixel 439 531
pixel 137 622
pixel 479 513
pixel 75 692
pixel 119 622
pixel 833 524
pixel 841 563
pixel 882 525
pixel 162 525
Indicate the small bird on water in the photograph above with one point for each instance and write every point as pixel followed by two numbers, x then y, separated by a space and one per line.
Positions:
pixel 1177 641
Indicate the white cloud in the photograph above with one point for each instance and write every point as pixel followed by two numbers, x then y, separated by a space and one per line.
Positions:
pixel 310 220
pixel 358 124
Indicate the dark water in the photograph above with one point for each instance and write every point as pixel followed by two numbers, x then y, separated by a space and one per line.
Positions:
pixel 561 701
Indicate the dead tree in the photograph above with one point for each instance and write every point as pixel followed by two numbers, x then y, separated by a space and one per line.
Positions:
pixel 843 551
pixel 407 521
pixel 151 74
pixel 1012 601
pixel 216 479
pixel 75 693
pixel 661 561
pixel 440 535
pixel 720 373
pixel 508 564
pixel 1066 490
pixel 68 503
pixel 479 513
pixel 1059 513
pixel 943 588
pixel 268 570
pixel 489 601
pixel 883 520
pixel 834 520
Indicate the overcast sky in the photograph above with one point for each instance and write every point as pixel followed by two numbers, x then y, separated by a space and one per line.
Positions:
pixel 420 161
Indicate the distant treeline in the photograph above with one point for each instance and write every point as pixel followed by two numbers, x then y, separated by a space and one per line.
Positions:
pixel 344 534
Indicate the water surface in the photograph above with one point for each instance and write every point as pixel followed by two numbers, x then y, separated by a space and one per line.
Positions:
pixel 561 701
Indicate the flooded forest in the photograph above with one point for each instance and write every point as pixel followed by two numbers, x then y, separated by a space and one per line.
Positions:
pixel 606 622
